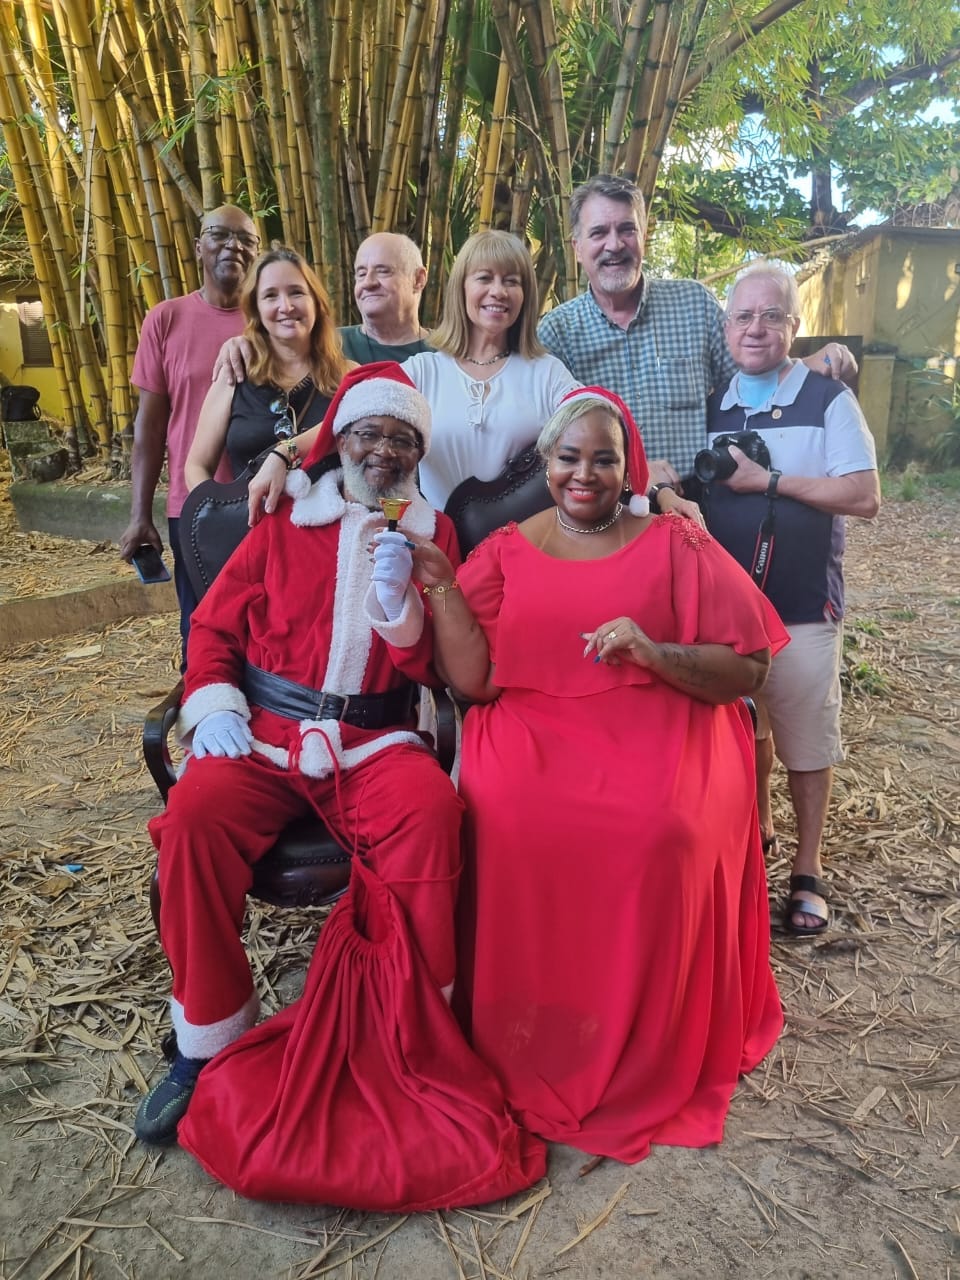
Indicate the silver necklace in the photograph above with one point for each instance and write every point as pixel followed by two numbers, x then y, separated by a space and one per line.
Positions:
pixel 493 359
pixel 597 528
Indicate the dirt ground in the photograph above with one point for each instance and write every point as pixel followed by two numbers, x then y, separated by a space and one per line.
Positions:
pixel 841 1154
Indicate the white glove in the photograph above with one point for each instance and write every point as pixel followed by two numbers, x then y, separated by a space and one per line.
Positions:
pixel 392 567
pixel 222 733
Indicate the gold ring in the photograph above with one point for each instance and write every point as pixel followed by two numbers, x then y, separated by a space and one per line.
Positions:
pixel 611 635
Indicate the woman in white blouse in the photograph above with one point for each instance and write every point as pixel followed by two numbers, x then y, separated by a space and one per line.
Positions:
pixel 490 384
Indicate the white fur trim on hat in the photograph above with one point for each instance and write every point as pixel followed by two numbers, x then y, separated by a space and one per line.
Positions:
pixel 639 505
pixel 384 397
pixel 297 483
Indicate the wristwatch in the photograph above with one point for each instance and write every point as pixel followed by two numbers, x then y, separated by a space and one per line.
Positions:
pixel 772 483
pixel 653 495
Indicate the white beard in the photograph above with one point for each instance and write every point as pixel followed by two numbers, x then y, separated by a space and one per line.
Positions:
pixel 355 485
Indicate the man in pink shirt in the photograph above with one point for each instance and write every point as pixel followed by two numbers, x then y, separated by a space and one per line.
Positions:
pixel 179 342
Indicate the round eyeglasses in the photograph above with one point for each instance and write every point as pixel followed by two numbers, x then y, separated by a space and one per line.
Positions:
pixel 769 317
pixel 223 235
pixel 373 440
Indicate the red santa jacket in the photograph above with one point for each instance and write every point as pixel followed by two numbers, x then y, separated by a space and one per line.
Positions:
pixel 296 599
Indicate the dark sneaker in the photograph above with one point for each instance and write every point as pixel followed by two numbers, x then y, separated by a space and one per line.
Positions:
pixel 162 1110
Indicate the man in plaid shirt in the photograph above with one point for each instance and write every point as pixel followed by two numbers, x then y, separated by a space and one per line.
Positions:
pixel 659 344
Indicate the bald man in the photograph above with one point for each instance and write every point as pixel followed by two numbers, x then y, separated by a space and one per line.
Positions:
pixel 179 343
pixel 388 281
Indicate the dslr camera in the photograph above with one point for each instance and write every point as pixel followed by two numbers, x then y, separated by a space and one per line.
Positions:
pixel 716 463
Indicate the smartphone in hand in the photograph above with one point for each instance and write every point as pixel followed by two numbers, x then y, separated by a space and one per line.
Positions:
pixel 149 564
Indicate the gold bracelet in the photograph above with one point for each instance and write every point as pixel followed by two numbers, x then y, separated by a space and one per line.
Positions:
pixel 441 590
pixel 293 459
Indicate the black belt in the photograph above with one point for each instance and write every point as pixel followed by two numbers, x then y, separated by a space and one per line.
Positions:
pixel 297 702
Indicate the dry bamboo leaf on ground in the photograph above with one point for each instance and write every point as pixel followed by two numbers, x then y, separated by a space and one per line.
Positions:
pixel 598 1221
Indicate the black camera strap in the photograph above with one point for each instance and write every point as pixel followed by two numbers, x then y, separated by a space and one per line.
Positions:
pixel 763 551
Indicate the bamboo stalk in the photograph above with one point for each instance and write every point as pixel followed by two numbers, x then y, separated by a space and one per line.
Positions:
pixel 108 290
pixel 432 64
pixel 201 78
pixel 377 102
pixel 398 171
pixel 636 145
pixel 387 197
pixel 446 156
pixel 276 123
pixel 102 107
pixel 299 152
pixel 227 130
pixel 658 108
pixel 491 165
pixel 231 57
pixel 636 24
pixel 654 157
pixel 339 45
pixel 34 186
pixel 170 279
pixel 522 192
pixel 355 73
pixel 557 116
pixel 527 115
pixel 62 352
pixel 325 134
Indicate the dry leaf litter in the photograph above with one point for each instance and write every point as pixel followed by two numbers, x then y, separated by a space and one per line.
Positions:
pixel 841 1156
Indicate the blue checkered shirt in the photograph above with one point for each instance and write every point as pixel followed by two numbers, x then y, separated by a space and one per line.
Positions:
pixel 663 365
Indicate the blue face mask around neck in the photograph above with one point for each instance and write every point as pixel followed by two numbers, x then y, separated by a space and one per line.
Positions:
pixel 755 389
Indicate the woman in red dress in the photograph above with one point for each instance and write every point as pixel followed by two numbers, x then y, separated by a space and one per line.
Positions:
pixel 615 969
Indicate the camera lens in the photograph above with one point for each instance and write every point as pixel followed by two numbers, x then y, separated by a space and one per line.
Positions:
pixel 713 464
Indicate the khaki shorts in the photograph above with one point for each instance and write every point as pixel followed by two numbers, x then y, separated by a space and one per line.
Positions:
pixel 800 703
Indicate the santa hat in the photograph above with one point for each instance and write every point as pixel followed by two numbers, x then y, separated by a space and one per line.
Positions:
pixel 372 390
pixel 638 473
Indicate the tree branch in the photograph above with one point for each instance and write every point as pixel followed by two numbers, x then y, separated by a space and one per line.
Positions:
pixel 724 49
pixel 902 74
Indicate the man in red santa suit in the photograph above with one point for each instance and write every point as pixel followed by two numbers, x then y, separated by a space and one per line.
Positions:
pixel 304 659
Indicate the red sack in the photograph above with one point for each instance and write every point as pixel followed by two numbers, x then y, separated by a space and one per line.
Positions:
pixel 364 1092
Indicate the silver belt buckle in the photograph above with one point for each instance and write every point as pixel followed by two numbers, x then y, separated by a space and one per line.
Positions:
pixel 343 701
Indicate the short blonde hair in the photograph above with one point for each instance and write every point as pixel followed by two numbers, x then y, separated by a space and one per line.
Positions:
pixel 572 411
pixel 497 249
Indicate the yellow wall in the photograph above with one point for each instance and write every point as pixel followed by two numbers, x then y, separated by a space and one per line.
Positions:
pixel 11 358
pixel 899 289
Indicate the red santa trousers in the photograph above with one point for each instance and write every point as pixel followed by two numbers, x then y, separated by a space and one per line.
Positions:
pixel 398 809
pixel 364 1093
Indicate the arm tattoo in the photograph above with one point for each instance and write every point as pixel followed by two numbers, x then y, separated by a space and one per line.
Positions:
pixel 686 663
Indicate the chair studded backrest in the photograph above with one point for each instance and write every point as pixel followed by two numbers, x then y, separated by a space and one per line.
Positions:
pixel 477 507
pixel 213 523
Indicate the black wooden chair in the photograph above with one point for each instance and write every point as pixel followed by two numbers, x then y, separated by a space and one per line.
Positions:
pixel 306 867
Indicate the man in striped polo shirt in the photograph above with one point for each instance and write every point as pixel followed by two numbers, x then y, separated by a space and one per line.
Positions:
pixel 785 524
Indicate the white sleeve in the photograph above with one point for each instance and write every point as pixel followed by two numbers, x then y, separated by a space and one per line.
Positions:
pixel 561 381
pixel 848 444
